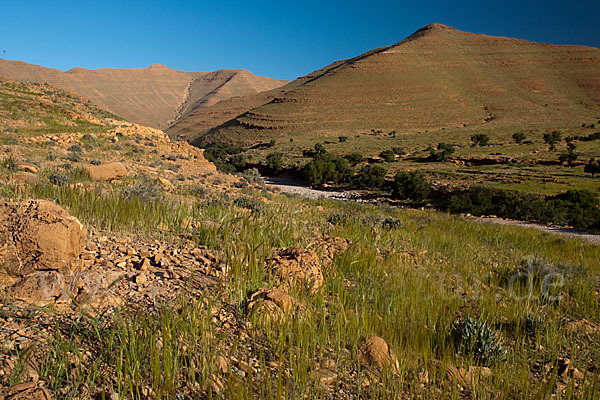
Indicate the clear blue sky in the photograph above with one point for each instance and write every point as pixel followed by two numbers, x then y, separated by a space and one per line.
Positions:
pixel 272 38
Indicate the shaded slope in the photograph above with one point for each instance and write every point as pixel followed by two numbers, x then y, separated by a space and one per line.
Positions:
pixel 155 96
pixel 437 78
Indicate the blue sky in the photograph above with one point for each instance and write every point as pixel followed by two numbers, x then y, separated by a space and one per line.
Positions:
pixel 271 38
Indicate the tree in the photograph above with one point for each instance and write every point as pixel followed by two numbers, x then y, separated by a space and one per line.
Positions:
pixel 275 162
pixel 592 167
pixel 552 138
pixel 444 150
pixel 481 139
pixel 519 137
pixel 410 185
pixel 569 156
pixel 387 155
pixel 370 176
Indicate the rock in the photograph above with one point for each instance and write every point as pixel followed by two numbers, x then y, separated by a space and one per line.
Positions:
pixel 40 288
pixel 222 364
pixel 22 387
pixel 164 182
pixel 107 172
pixel 144 265
pixel 375 352
pixel 96 288
pixel 140 278
pixel 326 247
pixel 272 302
pixel 40 249
pixel 298 266
pixel 27 167
pixel 39 235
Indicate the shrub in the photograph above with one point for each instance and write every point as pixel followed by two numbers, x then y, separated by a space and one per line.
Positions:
pixel 275 162
pixel 477 339
pixel 67 166
pixel 219 153
pixel 253 176
pixel 51 157
pixel 338 219
pixel 519 137
pixel 95 162
pixel 75 149
pixel 327 168
pixel 399 151
pixel 410 185
pixel 387 155
pixel 342 139
pixel 480 139
pixel 370 177
pixel 354 159
pixel 74 156
pixel 10 163
pixel 145 191
pixel 248 203
pixel 391 223
pixel 57 179
pixel 238 161
pixel 444 151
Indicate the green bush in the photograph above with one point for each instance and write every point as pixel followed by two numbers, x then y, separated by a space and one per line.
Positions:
pixel 477 339
pixel 370 177
pixel 592 167
pixel 480 139
pixel 519 137
pixel 57 179
pixel 410 186
pixel 354 159
pixel 441 153
pixel 387 155
pixel 219 154
pixel 578 208
pixel 275 162
pixel 327 168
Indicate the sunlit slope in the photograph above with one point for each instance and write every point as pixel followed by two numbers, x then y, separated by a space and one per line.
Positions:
pixel 437 78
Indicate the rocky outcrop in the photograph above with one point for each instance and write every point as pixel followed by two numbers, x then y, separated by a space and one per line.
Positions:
pixel 40 250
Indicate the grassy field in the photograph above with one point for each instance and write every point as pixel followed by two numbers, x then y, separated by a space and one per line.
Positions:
pixel 529 167
pixel 406 284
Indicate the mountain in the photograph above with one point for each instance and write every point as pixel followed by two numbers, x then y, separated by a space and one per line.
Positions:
pixel 155 96
pixel 438 78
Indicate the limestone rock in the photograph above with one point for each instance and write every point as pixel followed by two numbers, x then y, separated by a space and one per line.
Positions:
pixel 107 172
pixel 375 352
pixel 272 301
pixel 39 235
pixel 297 266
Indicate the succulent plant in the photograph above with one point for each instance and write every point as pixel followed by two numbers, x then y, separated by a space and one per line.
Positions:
pixel 478 339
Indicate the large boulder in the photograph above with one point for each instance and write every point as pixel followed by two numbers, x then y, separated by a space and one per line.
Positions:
pixel 40 248
pixel 107 172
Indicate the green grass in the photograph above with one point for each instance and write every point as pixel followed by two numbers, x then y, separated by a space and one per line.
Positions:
pixel 459 269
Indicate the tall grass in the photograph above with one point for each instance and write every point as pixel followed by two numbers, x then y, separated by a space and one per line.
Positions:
pixel 407 285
